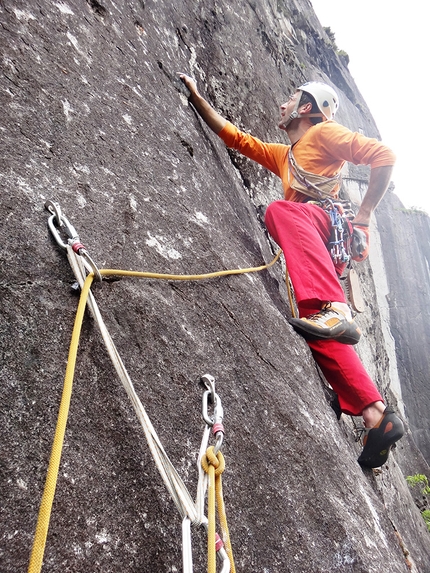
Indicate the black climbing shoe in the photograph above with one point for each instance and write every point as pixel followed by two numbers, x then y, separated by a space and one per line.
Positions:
pixel 379 440
pixel 328 323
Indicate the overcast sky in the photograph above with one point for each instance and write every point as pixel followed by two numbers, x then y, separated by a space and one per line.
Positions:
pixel 388 45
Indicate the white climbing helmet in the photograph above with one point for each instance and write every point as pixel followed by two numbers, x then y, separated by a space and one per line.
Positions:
pixel 324 95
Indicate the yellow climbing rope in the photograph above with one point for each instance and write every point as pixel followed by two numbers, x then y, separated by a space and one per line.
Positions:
pixel 39 543
pixel 36 558
pixel 214 466
pixel 147 275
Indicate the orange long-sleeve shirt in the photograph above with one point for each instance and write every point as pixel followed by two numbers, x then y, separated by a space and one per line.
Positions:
pixel 322 150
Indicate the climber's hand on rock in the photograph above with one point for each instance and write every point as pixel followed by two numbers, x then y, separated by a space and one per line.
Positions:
pixel 214 120
pixel 190 83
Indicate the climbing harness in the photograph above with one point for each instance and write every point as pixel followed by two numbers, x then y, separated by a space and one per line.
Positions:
pixel 339 246
pixel 316 186
pixel 192 513
pixel 322 191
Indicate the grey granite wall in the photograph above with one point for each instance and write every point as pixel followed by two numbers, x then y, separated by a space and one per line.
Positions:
pixel 92 117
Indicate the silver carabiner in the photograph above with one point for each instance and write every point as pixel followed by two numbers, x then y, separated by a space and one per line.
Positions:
pixel 64 224
pixel 209 382
pixel 59 221
pixel 205 409
pixel 216 420
pixel 219 438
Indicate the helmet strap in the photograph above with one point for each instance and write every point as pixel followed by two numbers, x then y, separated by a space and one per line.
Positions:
pixel 295 114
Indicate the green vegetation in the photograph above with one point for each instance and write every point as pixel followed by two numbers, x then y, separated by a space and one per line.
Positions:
pixel 332 43
pixel 344 55
pixel 414 211
pixel 421 481
pixel 331 35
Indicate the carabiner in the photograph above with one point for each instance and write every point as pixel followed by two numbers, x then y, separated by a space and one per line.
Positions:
pixel 209 382
pixel 210 393
pixel 219 438
pixel 58 221
pixel 216 420
pixel 205 410
pixel 66 225
pixel 337 245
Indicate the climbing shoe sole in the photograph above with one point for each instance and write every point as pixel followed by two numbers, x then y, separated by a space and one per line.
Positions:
pixel 379 440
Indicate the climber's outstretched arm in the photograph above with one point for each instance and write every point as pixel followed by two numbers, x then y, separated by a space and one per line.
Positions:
pixel 213 119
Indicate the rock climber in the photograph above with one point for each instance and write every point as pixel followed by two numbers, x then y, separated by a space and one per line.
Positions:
pixel 302 226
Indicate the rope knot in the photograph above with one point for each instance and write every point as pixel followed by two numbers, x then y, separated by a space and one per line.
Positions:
pixel 210 459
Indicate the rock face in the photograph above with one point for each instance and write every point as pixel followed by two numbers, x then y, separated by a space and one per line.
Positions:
pixel 408 276
pixel 93 118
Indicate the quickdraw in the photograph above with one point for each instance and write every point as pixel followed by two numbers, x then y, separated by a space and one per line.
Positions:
pixel 339 244
pixel 192 513
pixel 339 240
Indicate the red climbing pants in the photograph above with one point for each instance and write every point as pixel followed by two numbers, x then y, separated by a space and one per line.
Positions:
pixel 302 230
